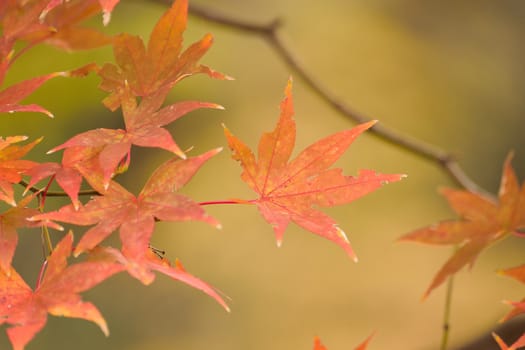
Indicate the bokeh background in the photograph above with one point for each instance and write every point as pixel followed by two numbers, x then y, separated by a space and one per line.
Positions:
pixel 450 73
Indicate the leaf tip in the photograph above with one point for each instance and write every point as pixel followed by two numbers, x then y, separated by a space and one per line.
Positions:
pixel 106 18
pixel 424 296
pixel 288 89
pixel 342 234
pixel 181 154
pixel 370 124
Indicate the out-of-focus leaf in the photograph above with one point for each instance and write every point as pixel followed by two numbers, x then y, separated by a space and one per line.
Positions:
pixel 482 222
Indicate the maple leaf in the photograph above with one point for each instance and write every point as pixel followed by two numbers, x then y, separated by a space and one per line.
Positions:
pixel 482 222
pixel 144 127
pixel 10 220
pixel 143 267
pixel 289 190
pixel 520 343
pixel 517 273
pixel 157 68
pixel 135 215
pixel 52 22
pixel 319 346
pixel 11 166
pixel 57 294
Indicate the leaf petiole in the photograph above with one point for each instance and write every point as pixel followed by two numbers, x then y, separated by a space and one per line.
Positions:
pixel 41 274
pixel 229 201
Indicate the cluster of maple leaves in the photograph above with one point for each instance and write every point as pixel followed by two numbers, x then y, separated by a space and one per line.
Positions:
pixel 138 84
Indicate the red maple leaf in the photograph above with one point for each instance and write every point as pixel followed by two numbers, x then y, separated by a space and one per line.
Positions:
pixel 11 166
pixel 144 127
pixel 135 215
pixel 290 191
pixel 482 222
pixel 157 68
pixel 57 294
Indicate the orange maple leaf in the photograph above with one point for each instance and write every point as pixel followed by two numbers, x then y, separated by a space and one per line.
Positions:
pixel 290 190
pixel 157 68
pixel 57 294
pixel 144 127
pixel 133 215
pixel 482 222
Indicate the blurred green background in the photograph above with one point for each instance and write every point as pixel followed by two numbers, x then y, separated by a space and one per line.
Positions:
pixel 450 73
